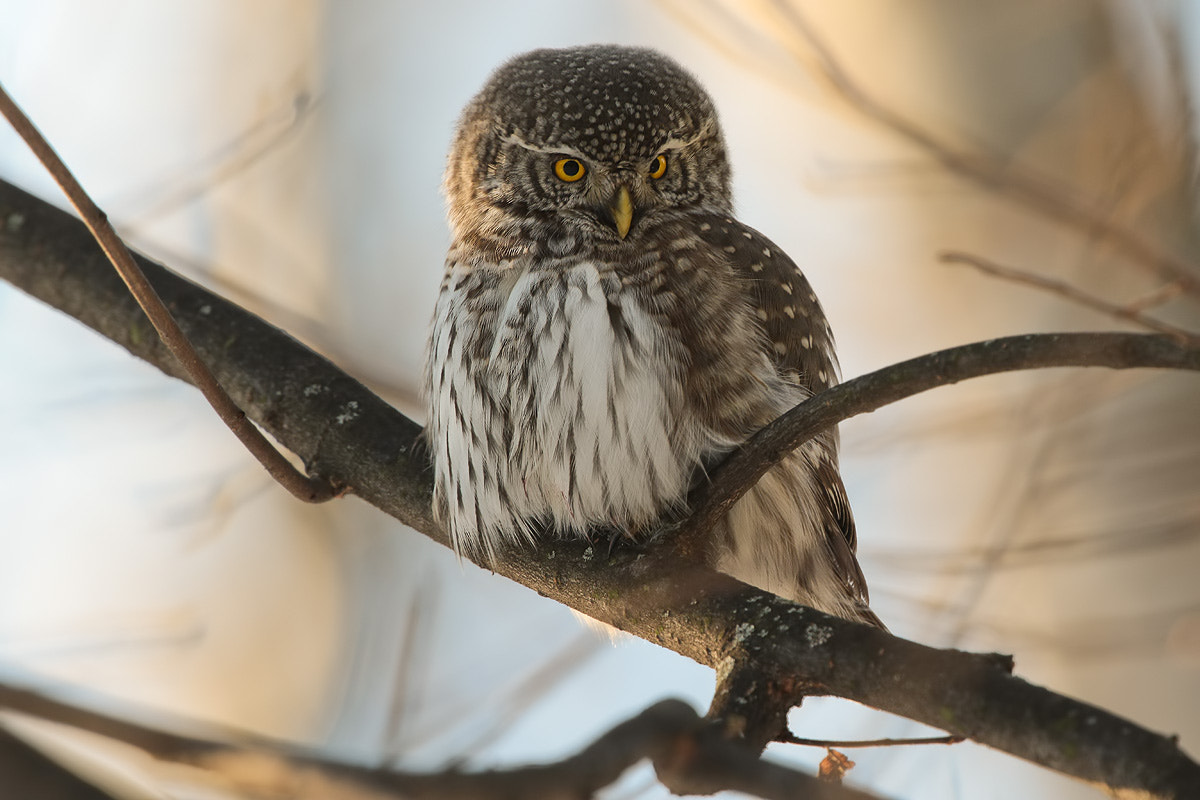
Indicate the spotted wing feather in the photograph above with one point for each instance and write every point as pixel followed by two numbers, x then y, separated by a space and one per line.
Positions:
pixel 800 344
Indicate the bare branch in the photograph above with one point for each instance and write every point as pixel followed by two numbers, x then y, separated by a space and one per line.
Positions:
pixel 689 755
pixel 309 489
pixel 1131 312
pixel 1168 291
pixel 748 636
pixel 986 170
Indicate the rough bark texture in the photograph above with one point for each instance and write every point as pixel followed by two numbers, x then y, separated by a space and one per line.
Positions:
pixel 768 652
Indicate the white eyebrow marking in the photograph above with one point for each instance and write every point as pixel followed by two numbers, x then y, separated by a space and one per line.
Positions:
pixel 678 144
pixel 567 150
pixel 564 149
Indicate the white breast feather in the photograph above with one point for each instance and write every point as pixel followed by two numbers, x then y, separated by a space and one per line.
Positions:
pixel 568 460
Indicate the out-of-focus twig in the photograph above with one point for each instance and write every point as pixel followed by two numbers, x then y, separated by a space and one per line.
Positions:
pixel 1168 291
pixel 1132 312
pixel 689 755
pixel 312 489
pixel 247 149
pixel 25 772
pixel 807 46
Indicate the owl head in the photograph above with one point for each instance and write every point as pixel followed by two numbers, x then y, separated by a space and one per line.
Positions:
pixel 593 141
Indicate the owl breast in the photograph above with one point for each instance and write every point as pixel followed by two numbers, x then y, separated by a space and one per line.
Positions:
pixel 555 399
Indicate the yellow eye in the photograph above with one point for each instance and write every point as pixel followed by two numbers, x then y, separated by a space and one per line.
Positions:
pixel 658 167
pixel 569 169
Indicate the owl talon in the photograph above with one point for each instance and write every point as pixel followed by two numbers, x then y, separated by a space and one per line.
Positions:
pixel 610 538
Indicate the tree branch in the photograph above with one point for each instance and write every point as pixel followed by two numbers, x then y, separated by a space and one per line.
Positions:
pixel 752 638
pixel 688 754
pixel 1131 312
pixel 26 772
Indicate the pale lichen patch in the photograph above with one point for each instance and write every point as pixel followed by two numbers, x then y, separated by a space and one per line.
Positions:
pixel 349 413
pixel 817 635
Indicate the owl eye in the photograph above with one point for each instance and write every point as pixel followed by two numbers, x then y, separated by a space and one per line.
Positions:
pixel 658 167
pixel 569 169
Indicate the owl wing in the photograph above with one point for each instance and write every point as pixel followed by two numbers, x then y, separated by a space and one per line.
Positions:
pixel 797 333
pixel 800 345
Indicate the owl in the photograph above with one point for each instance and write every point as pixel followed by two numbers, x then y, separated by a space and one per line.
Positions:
pixel 606 330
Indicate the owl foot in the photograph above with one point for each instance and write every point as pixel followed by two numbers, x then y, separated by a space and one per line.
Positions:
pixel 610 538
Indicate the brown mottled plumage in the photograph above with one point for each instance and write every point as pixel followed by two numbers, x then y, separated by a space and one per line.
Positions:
pixel 606 329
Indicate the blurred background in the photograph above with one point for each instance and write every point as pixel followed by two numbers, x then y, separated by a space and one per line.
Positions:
pixel 288 154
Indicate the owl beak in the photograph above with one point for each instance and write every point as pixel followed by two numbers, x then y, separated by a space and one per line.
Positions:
pixel 621 209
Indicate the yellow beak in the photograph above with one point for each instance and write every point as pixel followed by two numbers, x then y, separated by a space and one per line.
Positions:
pixel 622 211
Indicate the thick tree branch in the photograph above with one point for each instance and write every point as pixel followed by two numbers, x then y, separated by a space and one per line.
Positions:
pixel 689 755
pixel 751 638
pixel 26 773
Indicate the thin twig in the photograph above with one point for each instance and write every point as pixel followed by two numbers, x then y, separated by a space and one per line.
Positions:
pixel 310 489
pixel 1168 291
pixel 789 738
pixel 987 170
pixel 1130 312
pixel 228 161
